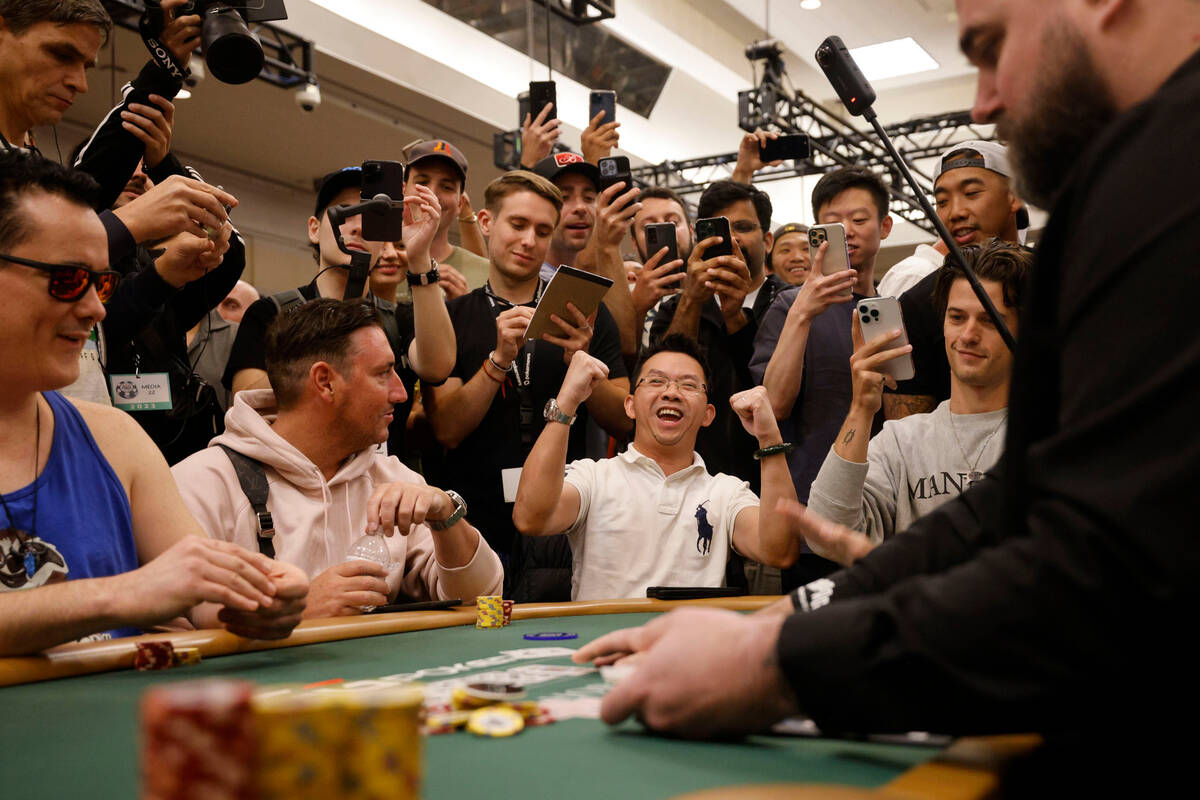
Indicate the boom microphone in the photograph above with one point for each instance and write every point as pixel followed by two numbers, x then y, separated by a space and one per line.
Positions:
pixel 858 96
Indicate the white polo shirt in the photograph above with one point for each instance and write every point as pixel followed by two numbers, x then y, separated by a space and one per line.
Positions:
pixel 637 527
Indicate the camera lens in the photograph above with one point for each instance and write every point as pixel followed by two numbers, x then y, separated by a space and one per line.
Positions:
pixel 866 320
pixel 875 313
pixel 824 55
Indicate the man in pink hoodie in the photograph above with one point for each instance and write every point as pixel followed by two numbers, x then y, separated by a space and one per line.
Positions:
pixel 315 435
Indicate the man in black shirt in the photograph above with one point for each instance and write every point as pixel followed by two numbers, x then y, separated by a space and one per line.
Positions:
pixel 492 408
pixel 1054 595
pixel 421 337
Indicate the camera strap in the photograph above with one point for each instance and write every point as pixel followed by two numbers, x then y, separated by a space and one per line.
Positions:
pixel 150 27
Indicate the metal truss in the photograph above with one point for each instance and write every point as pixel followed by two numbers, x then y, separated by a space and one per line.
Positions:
pixel 289 58
pixel 581 12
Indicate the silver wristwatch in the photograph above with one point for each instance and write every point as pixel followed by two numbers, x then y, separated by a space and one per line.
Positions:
pixel 553 413
pixel 460 511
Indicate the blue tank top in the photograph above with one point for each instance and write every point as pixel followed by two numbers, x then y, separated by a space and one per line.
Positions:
pixel 84 526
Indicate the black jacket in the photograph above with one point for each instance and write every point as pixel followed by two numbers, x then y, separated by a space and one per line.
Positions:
pixel 1060 593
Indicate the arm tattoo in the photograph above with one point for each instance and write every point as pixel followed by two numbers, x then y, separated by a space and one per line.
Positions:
pixel 849 437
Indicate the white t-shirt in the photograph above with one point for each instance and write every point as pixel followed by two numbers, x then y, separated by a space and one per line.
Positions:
pixel 908 273
pixel 637 527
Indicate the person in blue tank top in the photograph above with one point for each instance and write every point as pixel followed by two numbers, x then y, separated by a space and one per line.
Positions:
pixel 94 538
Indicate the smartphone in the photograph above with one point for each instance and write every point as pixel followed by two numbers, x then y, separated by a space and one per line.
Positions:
pixel 522 108
pixel 603 100
pixel 541 93
pixel 660 235
pixel 615 170
pixel 383 177
pixel 878 315
pixel 793 146
pixel 837 257
pixel 420 605
pixel 715 226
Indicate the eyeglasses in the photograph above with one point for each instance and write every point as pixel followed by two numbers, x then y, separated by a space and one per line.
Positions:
pixel 69 282
pixel 660 382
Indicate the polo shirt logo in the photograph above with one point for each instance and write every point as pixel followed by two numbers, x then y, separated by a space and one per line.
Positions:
pixel 704 530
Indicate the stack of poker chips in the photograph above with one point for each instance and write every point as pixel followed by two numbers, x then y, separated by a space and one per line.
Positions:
pixel 213 740
pixel 353 745
pixel 161 654
pixel 198 741
pixel 492 611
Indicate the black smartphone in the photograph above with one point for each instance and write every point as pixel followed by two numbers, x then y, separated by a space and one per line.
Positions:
pixel 522 108
pixel 715 226
pixel 603 100
pixel 660 235
pixel 541 93
pixel 691 592
pixel 424 605
pixel 789 147
pixel 387 178
pixel 613 170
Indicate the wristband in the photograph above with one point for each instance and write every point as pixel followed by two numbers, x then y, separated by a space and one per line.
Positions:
pixel 775 449
pixel 424 278
pixel 471 220
pixel 492 358
pixel 490 375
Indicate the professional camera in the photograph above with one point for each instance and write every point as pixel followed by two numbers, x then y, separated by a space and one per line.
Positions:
pixel 308 96
pixel 232 51
pixel 767 49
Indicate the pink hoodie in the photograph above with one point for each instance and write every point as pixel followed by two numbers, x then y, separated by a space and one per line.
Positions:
pixel 316 521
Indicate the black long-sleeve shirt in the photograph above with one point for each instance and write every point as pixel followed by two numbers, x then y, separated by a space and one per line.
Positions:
pixel 1062 590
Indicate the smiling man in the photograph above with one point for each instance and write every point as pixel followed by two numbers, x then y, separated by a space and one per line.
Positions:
pixel 95 540
pixel 1050 596
pixel 654 515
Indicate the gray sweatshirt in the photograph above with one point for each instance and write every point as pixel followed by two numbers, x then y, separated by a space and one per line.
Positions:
pixel 913 466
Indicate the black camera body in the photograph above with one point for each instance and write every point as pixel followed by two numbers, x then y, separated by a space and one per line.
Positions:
pixel 232 51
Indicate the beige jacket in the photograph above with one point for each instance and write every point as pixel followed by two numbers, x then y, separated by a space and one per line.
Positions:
pixel 316 520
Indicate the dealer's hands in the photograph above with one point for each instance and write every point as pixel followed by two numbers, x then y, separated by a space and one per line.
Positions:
pixel 399 506
pixel 753 408
pixel 538 136
pixel 583 373
pixel 702 673
pixel 827 539
pixel 865 363
pixel 346 589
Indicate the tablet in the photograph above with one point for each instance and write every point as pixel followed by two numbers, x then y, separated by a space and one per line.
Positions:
pixel 569 285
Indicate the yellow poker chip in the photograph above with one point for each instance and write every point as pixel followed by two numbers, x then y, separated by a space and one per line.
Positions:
pixel 495 721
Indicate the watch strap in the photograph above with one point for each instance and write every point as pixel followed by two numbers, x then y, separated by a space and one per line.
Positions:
pixel 460 511
pixel 424 278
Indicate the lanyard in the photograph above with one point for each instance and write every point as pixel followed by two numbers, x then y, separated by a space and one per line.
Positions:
pixel 528 418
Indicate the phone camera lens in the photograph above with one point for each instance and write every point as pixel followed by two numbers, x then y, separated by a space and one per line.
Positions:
pixel 875 313
pixel 866 320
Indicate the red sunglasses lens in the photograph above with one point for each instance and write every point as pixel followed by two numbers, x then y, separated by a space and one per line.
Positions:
pixel 69 284
pixel 106 284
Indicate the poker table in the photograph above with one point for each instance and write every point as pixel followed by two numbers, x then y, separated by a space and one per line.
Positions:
pixel 69 726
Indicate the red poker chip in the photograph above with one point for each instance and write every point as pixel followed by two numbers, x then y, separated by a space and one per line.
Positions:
pixel 154 656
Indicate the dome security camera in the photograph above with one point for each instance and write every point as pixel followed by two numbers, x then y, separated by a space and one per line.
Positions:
pixel 308 97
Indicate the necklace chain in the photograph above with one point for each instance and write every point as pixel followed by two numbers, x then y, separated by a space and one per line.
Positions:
pixel 966 459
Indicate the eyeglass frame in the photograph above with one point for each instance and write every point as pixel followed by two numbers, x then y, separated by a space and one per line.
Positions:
pixel 702 390
pixel 52 268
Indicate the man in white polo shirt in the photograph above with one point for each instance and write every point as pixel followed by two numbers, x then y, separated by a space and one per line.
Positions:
pixel 654 516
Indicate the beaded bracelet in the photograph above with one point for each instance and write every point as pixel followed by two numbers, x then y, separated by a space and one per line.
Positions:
pixel 775 449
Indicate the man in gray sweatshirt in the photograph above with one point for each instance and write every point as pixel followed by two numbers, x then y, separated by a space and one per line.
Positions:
pixel 919 462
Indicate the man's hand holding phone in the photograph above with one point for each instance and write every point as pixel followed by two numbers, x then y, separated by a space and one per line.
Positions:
pixel 538 136
pixel 867 378
pixel 616 207
pixel 656 280
pixel 599 138
pixel 726 277
pixel 748 160
pixel 821 291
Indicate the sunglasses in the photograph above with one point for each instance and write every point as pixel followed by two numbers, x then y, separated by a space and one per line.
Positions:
pixel 68 282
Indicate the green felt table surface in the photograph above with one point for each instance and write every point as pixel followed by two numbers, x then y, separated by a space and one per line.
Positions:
pixel 78 737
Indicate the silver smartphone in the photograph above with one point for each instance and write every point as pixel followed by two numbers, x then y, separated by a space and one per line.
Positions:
pixel 837 257
pixel 878 315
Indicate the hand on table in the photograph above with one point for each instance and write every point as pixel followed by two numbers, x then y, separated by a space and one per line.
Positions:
pixel 701 673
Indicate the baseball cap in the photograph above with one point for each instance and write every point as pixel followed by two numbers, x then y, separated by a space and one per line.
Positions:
pixel 791 227
pixel 334 183
pixel 437 148
pixel 992 156
pixel 553 167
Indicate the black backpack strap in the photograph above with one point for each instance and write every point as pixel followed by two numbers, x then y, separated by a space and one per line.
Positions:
pixel 253 477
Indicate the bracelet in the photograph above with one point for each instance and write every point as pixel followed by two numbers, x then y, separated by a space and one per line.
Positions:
pixel 775 449
pixel 471 220
pixel 490 375
pixel 424 278
pixel 491 358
